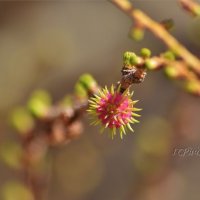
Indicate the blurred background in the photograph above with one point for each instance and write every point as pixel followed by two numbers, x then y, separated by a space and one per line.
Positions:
pixel 48 45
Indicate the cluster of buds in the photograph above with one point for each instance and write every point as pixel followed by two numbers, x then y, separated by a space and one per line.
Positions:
pixel 133 70
pixel 175 68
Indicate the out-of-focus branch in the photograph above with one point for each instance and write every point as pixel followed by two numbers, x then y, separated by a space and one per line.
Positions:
pixel 159 31
pixel 191 7
pixel 42 124
pixel 59 126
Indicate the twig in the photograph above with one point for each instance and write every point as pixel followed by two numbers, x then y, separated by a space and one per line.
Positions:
pixel 191 7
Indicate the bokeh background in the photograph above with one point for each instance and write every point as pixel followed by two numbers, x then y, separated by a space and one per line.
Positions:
pixel 48 45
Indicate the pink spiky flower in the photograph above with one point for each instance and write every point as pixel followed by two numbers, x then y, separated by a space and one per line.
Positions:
pixel 113 110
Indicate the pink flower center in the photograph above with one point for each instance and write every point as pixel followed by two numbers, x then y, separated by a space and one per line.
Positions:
pixel 114 110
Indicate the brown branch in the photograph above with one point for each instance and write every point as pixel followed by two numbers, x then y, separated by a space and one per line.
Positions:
pixel 192 61
pixel 191 7
pixel 60 126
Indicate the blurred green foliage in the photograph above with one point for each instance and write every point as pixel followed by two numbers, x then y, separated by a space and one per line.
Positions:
pixel 16 191
pixel 39 103
pixel 11 154
pixel 21 120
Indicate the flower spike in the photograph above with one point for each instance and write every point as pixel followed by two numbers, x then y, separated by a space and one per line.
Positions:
pixel 113 110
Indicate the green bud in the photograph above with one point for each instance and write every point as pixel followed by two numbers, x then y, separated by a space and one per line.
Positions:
pixel 150 64
pixel 134 60
pixel 127 58
pixel 21 120
pixel 87 81
pixel 169 55
pixel 137 34
pixel 130 59
pixel 39 103
pixel 193 87
pixel 171 72
pixel 146 53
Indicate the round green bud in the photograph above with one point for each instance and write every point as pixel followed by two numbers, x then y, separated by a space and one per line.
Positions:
pixel 21 120
pixel 137 34
pixel 193 87
pixel 146 53
pixel 171 71
pixel 150 64
pixel 169 55
pixel 134 60
pixel 130 58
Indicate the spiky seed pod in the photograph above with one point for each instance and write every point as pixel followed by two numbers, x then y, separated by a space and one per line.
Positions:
pixel 113 110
